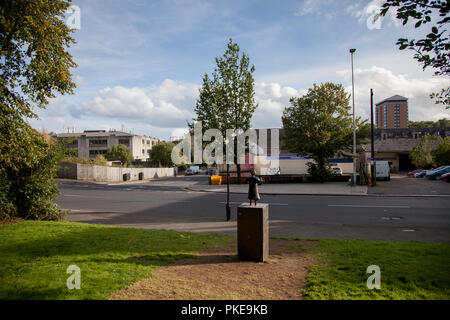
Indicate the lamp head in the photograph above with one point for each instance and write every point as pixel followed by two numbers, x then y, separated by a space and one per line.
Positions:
pixel 352 50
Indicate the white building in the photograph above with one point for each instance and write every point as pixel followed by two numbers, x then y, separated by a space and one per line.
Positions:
pixel 90 143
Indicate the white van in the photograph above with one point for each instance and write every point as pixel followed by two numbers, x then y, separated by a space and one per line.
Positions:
pixel 382 170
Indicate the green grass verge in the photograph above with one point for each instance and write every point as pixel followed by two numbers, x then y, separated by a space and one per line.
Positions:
pixel 409 270
pixel 34 257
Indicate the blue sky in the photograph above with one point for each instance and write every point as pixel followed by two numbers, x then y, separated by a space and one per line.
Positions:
pixel 140 63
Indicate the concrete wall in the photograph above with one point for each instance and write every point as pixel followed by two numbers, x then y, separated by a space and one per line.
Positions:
pixel 89 172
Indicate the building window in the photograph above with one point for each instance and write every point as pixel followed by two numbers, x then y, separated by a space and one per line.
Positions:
pixel 124 142
pixel 96 152
pixel 97 142
pixel 143 151
pixel 385 116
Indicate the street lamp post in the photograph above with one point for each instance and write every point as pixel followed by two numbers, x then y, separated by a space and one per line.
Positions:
pixel 352 51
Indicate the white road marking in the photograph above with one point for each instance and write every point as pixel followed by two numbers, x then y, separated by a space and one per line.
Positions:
pixel 270 204
pixel 367 206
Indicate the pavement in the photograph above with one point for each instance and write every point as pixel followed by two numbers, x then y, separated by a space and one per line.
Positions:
pixel 171 204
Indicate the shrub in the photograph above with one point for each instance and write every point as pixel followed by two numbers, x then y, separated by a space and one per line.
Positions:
pixel 28 165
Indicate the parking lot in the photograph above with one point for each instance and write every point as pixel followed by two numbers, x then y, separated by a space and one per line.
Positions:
pixel 401 184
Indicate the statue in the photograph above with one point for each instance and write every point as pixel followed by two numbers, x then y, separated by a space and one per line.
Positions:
pixel 253 193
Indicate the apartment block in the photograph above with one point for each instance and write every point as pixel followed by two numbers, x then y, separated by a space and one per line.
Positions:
pixel 392 113
pixel 90 143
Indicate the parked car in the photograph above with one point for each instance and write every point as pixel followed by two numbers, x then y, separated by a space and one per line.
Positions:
pixel 336 171
pixel 192 170
pixel 213 171
pixel 412 173
pixel 445 177
pixel 433 175
pixel 420 174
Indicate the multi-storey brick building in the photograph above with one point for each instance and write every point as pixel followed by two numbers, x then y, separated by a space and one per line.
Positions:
pixel 392 113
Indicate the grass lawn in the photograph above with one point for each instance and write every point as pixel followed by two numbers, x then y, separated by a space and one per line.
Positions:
pixel 409 270
pixel 34 257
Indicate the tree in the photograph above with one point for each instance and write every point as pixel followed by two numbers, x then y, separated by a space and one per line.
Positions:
pixel 160 155
pixel 121 153
pixel 422 154
pixel 442 153
pixel 319 124
pixel 34 60
pixel 433 50
pixel 442 123
pixel 227 98
pixel 34 66
pixel 27 171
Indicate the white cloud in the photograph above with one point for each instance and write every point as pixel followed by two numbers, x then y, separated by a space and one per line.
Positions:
pixel 385 84
pixel 168 105
pixel 272 99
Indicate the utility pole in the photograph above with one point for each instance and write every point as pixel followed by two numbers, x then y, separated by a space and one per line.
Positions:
pixel 372 148
pixel 352 51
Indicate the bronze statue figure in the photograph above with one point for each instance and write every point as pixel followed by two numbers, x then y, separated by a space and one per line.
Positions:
pixel 253 193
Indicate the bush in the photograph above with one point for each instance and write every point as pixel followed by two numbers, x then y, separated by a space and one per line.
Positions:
pixel 442 153
pixel 319 173
pixel 28 165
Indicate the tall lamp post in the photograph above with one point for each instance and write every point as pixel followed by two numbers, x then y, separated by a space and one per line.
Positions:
pixel 352 51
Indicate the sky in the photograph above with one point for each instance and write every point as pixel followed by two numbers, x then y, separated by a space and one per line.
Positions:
pixel 141 63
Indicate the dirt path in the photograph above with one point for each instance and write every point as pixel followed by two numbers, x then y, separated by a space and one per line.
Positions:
pixel 217 274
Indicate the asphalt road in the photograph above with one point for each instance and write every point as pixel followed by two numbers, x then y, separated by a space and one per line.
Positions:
pixel 166 204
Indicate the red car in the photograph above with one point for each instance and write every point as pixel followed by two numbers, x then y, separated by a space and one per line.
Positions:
pixel 445 177
pixel 412 173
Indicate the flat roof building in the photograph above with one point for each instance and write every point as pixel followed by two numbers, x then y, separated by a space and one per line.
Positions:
pixel 90 143
pixel 392 113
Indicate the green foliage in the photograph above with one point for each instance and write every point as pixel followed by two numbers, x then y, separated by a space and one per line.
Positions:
pixel 320 124
pixel 422 154
pixel 34 66
pixel 119 152
pixel 443 123
pixel 433 50
pixel 161 155
pixel 65 143
pixel 100 160
pixel 34 61
pixel 28 165
pixel 227 98
pixel 409 270
pixel 34 257
pixel 442 153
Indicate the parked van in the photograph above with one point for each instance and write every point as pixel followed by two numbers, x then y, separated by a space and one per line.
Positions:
pixel 382 170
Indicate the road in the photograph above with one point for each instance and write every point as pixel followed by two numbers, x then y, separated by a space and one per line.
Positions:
pixel 166 204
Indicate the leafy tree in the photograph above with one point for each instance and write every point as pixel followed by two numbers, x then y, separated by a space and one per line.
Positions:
pixel 121 153
pixel 433 50
pixel 442 153
pixel 422 154
pixel 442 123
pixel 160 155
pixel 28 165
pixel 34 66
pixel 320 124
pixel 227 98
pixel 34 61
